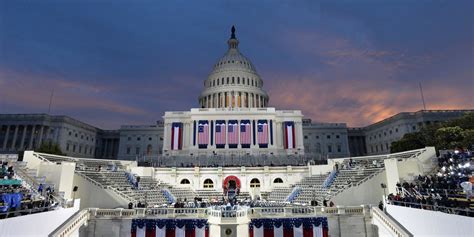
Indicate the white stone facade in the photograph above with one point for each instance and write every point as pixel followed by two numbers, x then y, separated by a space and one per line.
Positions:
pixel 189 144
pixel 138 141
pixel 264 175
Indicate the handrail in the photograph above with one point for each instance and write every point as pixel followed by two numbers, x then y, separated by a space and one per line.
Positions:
pixel 71 224
pixel 449 210
pixel 81 217
pixel 390 223
pixel 33 186
pixel 90 179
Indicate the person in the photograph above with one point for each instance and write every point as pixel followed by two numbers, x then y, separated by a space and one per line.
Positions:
pixel 40 189
pixel 130 205
pixel 381 205
pixel 331 204
pixel 325 203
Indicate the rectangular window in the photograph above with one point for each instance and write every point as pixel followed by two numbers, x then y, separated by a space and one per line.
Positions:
pixel 338 148
pixel 128 150
pixel 137 150
pixel 329 148
pixel 74 148
pixel 67 147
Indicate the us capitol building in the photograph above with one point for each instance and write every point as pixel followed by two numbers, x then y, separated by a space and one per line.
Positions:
pixel 233 120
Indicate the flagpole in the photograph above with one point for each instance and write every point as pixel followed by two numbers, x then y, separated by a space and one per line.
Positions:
pixel 50 101
pixel 422 97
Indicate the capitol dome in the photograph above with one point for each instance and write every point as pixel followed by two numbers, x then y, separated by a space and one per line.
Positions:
pixel 233 82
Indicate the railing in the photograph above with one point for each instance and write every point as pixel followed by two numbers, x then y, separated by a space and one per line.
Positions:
pixel 81 217
pixel 33 186
pixel 91 180
pixel 393 226
pixel 23 212
pixel 448 210
pixel 72 224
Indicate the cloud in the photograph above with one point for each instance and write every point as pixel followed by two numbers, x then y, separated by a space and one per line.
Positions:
pixel 34 92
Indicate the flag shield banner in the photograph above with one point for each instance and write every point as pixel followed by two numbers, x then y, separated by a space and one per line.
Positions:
pixel 220 134
pixel 176 136
pixel 262 133
pixel 233 134
pixel 203 134
pixel 245 133
pixel 289 133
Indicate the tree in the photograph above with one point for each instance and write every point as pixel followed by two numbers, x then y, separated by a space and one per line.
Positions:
pixel 409 141
pixel 50 148
pixel 449 137
pixel 456 133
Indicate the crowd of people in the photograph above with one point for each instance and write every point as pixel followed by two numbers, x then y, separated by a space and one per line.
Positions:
pixel 449 189
pixel 7 171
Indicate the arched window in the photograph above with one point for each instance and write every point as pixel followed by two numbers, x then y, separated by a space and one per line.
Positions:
pixel 255 183
pixel 185 181
pixel 208 183
pixel 278 181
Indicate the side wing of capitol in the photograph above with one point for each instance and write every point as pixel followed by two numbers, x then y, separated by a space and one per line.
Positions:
pixel 234 119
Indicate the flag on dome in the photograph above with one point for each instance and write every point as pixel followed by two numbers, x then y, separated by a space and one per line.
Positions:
pixel 245 136
pixel 220 133
pixel 262 133
pixel 176 136
pixel 203 133
pixel 289 135
pixel 233 135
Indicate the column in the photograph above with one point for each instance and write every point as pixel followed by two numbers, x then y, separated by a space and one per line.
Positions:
pixel 22 143
pixel 14 137
pixel 239 146
pixel 213 100
pixel 299 135
pixel 279 135
pixel 6 138
pixel 241 99
pixel 211 134
pixel 251 100
pixel 30 144
pixel 40 140
pixel 226 135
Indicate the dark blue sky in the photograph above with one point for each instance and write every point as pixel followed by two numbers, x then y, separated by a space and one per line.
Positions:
pixel 114 62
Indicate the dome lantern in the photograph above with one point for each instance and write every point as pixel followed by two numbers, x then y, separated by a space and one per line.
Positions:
pixel 233 42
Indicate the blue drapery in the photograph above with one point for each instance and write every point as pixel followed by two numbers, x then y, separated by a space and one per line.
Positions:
pixel 11 200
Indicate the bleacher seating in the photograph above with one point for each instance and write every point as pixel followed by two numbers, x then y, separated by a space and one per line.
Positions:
pixel 448 188
pixel 17 197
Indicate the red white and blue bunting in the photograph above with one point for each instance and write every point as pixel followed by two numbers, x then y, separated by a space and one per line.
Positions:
pixel 289 227
pixel 169 228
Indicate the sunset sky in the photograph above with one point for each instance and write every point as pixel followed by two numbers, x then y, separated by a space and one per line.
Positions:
pixel 115 62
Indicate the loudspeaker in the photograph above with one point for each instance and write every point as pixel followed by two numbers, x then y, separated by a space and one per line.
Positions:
pixel 75 189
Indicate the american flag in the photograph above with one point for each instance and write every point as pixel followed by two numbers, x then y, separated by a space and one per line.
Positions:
pixel 220 132
pixel 233 132
pixel 262 132
pixel 245 132
pixel 176 136
pixel 289 135
pixel 203 132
